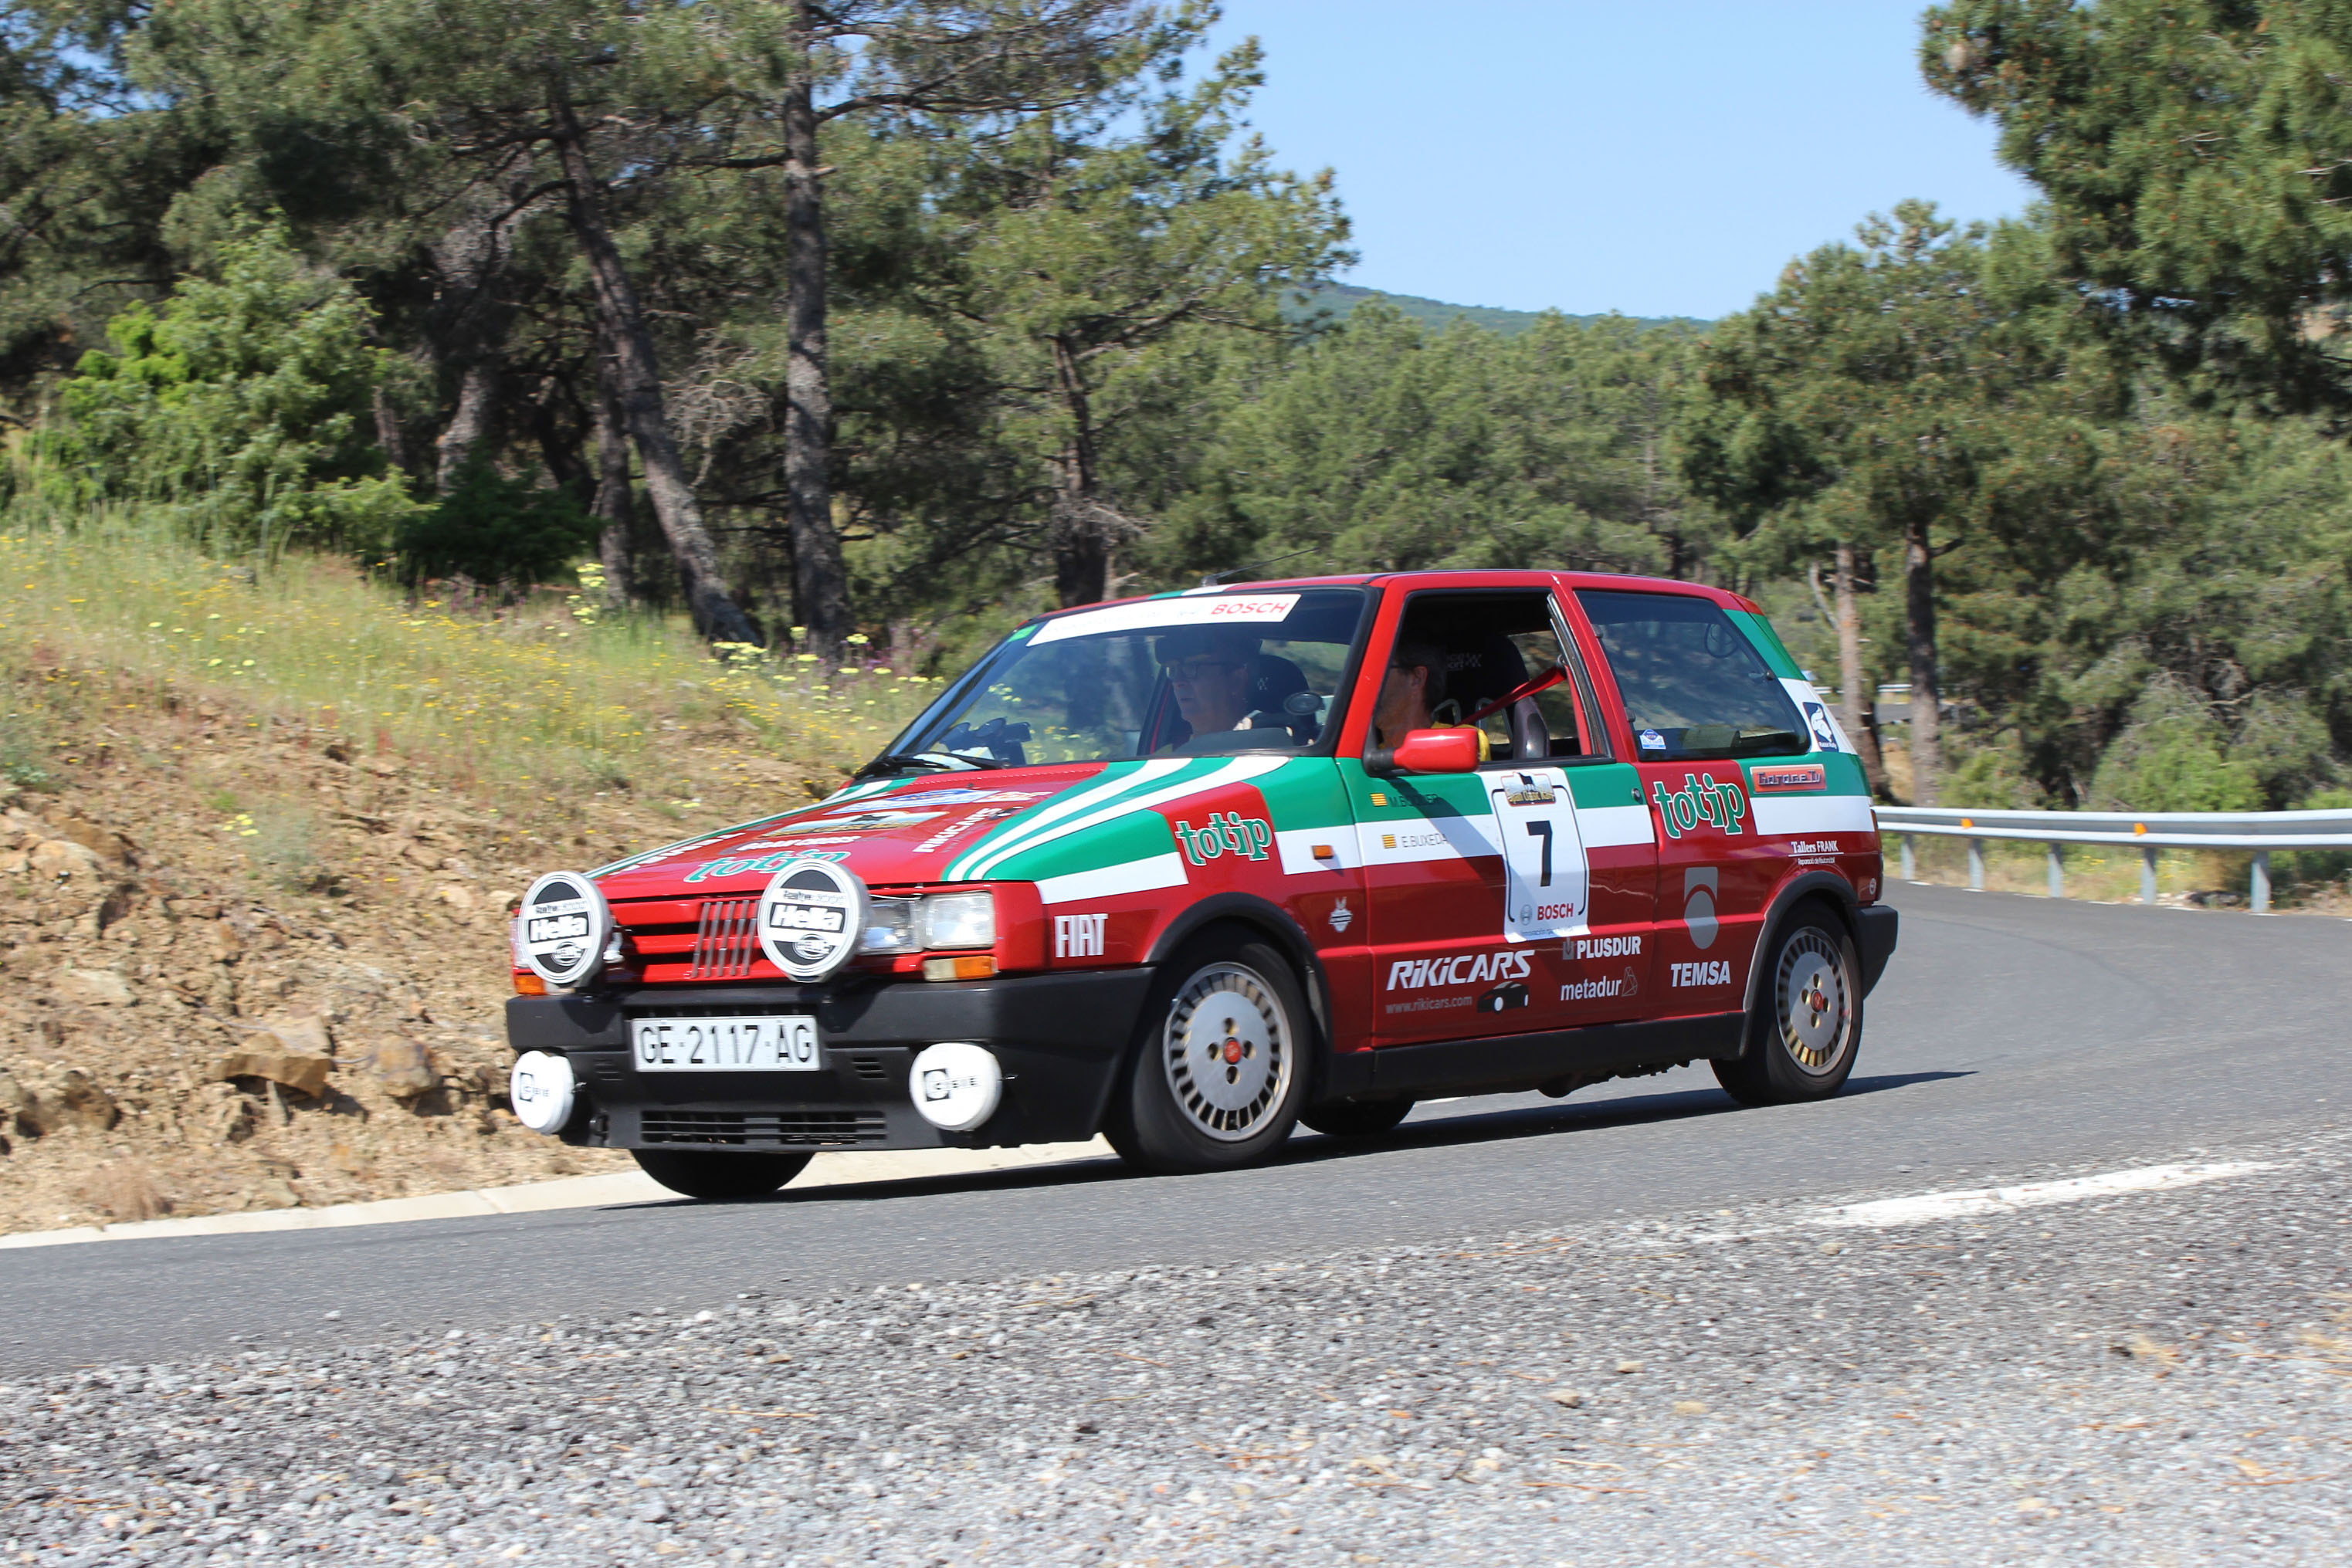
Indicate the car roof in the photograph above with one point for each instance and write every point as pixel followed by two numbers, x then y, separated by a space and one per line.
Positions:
pixel 1469 577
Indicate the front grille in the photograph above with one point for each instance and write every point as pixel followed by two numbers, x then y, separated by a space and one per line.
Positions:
pixel 871 1069
pixel 727 939
pixel 762 1129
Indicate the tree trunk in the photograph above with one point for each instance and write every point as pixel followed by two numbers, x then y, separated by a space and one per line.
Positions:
pixel 820 581
pixel 1081 539
pixel 621 322
pixel 1919 613
pixel 387 433
pixel 477 395
pixel 613 506
pixel 1861 706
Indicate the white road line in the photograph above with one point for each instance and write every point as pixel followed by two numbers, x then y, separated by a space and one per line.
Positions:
pixel 1960 1204
pixel 572 1192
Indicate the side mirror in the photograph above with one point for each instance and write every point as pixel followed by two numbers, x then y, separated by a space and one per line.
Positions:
pixel 1428 751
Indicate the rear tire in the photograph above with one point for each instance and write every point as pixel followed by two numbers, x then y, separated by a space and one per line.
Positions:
pixel 1356 1118
pixel 1219 1064
pixel 717 1175
pixel 1805 1028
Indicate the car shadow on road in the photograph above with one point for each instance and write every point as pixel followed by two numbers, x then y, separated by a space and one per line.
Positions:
pixel 1501 1124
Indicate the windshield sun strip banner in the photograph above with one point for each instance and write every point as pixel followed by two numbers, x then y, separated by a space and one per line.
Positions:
pixel 1151 614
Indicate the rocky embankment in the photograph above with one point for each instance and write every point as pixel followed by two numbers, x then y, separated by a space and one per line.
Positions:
pixel 249 967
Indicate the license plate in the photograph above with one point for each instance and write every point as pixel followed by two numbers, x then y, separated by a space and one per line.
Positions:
pixel 782 1043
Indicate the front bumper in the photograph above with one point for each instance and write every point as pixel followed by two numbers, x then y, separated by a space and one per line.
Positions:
pixel 1878 925
pixel 1061 1039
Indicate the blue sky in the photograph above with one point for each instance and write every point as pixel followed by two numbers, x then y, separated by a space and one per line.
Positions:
pixel 1661 159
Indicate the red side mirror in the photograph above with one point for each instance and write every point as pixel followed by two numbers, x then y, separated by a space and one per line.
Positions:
pixel 1438 751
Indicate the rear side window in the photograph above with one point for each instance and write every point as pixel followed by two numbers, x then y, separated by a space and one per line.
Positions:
pixel 1693 686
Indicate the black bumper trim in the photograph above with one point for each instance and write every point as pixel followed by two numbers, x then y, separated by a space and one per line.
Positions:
pixel 1061 1039
pixel 1878 926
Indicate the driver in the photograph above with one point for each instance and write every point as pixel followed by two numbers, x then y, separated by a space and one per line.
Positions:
pixel 1414 687
pixel 1210 669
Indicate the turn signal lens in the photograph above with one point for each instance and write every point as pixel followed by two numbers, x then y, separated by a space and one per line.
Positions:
pixel 528 983
pixel 976 968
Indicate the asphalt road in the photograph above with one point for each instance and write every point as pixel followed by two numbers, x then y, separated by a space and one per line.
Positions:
pixel 2009 1033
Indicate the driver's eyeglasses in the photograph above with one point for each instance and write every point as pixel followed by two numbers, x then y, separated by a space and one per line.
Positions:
pixel 1192 671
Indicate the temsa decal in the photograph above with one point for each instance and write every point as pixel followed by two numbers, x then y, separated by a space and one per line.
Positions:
pixel 1468 969
pixel 1708 800
pixel 1705 972
pixel 1079 935
pixel 1228 834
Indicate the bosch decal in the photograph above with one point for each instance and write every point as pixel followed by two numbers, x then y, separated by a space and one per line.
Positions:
pixel 1228 834
pixel 1708 800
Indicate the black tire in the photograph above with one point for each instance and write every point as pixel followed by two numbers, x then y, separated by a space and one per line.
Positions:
pixel 719 1176
pixel 1220 1061
pixel 1805 1028
pixel 1356 1118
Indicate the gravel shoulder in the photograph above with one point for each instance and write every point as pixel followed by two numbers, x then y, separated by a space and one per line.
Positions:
pixel 2141 1377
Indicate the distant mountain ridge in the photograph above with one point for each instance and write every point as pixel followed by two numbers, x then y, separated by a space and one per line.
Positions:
pixel 1340 299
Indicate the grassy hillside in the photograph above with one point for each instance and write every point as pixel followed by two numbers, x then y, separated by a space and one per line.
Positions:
pixel 1338 298
pixel 245 814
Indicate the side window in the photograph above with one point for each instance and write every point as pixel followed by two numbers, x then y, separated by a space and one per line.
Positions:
pixel 1693 686
pixel 1488 646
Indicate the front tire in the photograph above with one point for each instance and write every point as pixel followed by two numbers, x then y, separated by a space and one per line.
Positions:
pixel 1219 1064
pixel 717 1176
pixel 1806 1027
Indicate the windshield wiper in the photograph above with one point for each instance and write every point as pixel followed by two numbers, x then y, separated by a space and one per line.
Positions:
pixel 939 761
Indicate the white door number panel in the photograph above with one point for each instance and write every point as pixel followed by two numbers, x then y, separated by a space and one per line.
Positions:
pixel 1547 888
pixel 784 1043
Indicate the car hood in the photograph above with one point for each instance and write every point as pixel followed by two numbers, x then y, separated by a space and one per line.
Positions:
pixel 894 832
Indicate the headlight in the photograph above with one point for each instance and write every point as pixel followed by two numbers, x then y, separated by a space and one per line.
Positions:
pixel 927 924
pixel 891 927
pixel 959 920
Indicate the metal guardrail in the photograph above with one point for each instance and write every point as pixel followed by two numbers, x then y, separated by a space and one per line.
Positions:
pixel 2148 831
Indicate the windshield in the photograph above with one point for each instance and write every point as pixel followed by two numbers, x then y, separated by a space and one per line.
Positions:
pixel 1192 674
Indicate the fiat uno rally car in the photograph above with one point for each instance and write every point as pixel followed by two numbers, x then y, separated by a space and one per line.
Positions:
pixel 1186 871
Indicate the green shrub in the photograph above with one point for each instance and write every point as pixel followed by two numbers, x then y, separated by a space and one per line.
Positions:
pixel 241 408
pixel 494 529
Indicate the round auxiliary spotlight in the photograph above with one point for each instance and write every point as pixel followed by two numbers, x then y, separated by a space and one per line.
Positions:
pixel 565 925
pixel 956 1085
pixel 812 918
pixel 541 1088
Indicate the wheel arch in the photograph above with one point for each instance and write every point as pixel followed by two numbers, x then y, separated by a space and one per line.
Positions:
pixel 1270 920
pixel 1822 887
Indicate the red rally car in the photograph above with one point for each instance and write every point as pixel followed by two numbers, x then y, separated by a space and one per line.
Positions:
pixel 1186 871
